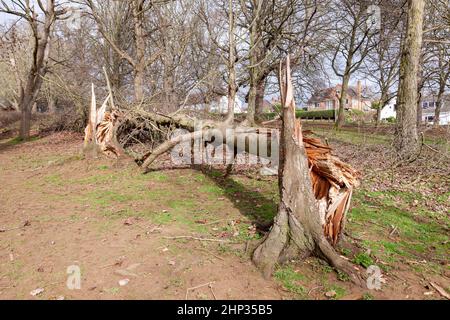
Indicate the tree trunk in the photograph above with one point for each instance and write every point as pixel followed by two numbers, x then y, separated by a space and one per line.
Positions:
pixel 140 64
pixel 297 231
pixel 51 104
pixel 25 120
pixel 232 87
pixel 440 101
pixel 259 103
pixel 406 138
pixel 343 101
pixel 254 68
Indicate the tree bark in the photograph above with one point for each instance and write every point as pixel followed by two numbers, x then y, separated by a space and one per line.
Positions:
pixel 259 103
pixel 406 139
pixel 25 120
pixel 139 70
pixel 232 87
pixel 255 44
pixel 343 100
pixel 440 101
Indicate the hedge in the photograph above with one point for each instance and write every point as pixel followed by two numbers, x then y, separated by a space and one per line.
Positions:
pixel 317 115
pixel 325 114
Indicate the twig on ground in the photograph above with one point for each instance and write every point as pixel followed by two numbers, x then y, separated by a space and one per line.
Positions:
pixel 209 284
pixel 206 251
pixel 212 290
pixel 195 238
pixel 441 291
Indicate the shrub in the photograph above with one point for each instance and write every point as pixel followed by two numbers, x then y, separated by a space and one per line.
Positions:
pixel 391 120
pixel 324 114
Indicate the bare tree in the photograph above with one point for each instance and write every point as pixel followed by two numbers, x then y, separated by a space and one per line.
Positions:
pixel 140 57
pixel 382 63
pixel 41 29
pixel 351 44
pixel 436 54
pixel 406 138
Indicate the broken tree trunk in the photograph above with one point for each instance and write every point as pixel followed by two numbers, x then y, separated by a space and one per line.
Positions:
pixel 315 186
pixel 298 231
pixel 101 131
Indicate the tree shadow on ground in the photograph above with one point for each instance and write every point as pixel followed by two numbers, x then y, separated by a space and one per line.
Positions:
pixel 260 208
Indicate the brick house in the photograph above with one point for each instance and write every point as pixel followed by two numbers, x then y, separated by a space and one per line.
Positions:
pixel 328 99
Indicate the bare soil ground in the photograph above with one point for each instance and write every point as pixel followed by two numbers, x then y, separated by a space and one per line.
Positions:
pixel 115 224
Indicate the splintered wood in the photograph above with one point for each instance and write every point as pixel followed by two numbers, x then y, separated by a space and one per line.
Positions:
pixel 102 127
pixel 333 183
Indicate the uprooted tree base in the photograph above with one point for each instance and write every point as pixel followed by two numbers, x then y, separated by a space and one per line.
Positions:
pixel 315 186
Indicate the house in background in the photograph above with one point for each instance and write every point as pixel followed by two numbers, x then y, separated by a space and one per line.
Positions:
pixel 390 110
pixel 429 104
pixel 214 104
pixel 328 99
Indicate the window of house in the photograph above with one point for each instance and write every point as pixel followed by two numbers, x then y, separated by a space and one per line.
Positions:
pixel 425 105
pixel 317 105
pixel 330 105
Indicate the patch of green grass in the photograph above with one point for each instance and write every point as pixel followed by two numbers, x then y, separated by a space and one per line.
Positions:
pixel 346 252
pixel 56 180
pixel 114 291
pixel 18 140
pixel 342 276
pixel 15 270
pixel 157 176
pixel 368 297
pixel 211 190
pixel 350 136
pixel 418 235
pixel 340 292
pixel 363 259
pixel 291 281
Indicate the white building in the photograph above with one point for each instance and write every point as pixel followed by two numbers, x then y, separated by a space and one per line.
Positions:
pixel 389 111
pixel 219 104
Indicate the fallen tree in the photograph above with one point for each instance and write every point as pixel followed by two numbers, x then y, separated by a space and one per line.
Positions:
pixel 315 186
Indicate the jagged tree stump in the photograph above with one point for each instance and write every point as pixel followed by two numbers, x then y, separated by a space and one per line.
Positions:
pixel 298 230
